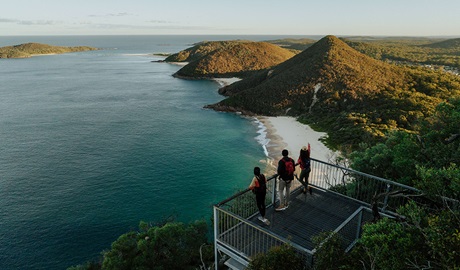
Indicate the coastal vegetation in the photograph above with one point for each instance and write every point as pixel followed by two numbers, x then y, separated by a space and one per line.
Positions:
pixel 428 235
pixel 32 49
pixel 336 89
pixel 170 245
pixel 198 50
pixel 224 59
pixel 297 45
pixel 445 54
pixel 398 122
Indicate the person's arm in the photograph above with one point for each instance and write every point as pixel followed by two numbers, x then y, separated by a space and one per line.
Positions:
pixel 299 161
pixel 253 183
pixel 280 167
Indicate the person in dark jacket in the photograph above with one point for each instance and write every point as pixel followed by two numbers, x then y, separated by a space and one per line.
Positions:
pixel 304 162
pixel 286 167
pixel 259 187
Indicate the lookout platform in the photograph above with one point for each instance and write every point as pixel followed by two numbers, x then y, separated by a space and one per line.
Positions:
pixel 340 202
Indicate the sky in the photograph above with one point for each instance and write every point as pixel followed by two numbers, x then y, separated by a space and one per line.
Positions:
pixel 230 17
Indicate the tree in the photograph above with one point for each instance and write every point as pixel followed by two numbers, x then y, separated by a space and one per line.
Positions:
pixel 429 236
pixel 330 253
pixel 171 246
pixel 389 244
pixel 278 258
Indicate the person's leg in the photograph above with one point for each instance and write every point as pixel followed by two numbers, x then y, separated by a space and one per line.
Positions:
pixel 260 198
pixel 261 204
pixel 281 187
pixel 288 193
pixel 307 176
pixel 303 179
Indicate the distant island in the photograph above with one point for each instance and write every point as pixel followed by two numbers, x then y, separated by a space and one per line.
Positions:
pixel 32 49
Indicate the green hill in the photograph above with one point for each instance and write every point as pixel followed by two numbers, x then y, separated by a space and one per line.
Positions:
pixel 446 44
pixel 411 51
pixel 293 44
pixel 31 49
pixel 231 59
pixel 350 95
pixel 197 51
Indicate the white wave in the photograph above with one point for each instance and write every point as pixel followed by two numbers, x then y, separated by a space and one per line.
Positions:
pixel 226 81
pixel 262 137
pixel 135 54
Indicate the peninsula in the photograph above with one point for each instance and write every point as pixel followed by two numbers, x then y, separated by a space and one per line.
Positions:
pixel 348 94
pixel 32 49
pixel 226 59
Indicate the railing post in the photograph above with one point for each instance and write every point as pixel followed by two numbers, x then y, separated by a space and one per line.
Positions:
pixel 360 220
pixel 216 233
pixel 385 201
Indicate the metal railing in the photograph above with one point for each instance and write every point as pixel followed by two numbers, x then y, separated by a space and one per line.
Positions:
pixel 241 237
pixel 237 235
pixel 365 188
pixel 242 203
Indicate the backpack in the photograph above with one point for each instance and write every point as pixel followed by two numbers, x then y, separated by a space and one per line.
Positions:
pixel 289 166
pixel 262 184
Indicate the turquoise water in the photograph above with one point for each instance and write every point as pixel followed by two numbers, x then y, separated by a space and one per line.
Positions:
pixel 93 142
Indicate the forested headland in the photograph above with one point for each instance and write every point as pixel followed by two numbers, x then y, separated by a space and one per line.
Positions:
pixel 225 59
pixel 31 49
pixel 387 116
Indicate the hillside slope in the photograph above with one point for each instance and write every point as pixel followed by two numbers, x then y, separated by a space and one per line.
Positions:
pixel 31 49
pixel 232 59
pixel 197 51
pixel 446 44
pixel 343 91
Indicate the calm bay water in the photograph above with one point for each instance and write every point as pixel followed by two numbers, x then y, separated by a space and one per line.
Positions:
pixel 91 143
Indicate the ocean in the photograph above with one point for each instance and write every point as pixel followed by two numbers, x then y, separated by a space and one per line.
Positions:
pixel 91 143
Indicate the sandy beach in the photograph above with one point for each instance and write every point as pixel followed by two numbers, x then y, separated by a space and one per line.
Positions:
pixel 226 81
pixel 283 132
pixel 287 133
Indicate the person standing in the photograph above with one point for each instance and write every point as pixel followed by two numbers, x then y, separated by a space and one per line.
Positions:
pixel 304 162
pixel 259 187
pixel 286 167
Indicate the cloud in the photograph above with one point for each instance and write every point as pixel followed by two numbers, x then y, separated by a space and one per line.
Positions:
pixel 39 22
pixel 30 22
pixel 152 25
pixel 120 14
pixel 156 27
pixel 158 21
pixel 7 20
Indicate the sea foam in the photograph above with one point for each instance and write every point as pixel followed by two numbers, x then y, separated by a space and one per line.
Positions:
pixel 262 137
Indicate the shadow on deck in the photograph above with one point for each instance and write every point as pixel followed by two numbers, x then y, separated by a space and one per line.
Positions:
pixel 309 215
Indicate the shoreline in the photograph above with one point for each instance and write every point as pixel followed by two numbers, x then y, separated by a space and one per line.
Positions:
pixel 284 132
pixel 225 81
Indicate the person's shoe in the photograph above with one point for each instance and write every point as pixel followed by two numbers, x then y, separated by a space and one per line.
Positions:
pixel 261 219
pixel 266 221
pixel 310 190
pixel 286 206
pixel 280 208
pixel 304 190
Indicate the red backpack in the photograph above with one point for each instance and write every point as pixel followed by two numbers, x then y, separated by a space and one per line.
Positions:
pixel 289 165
